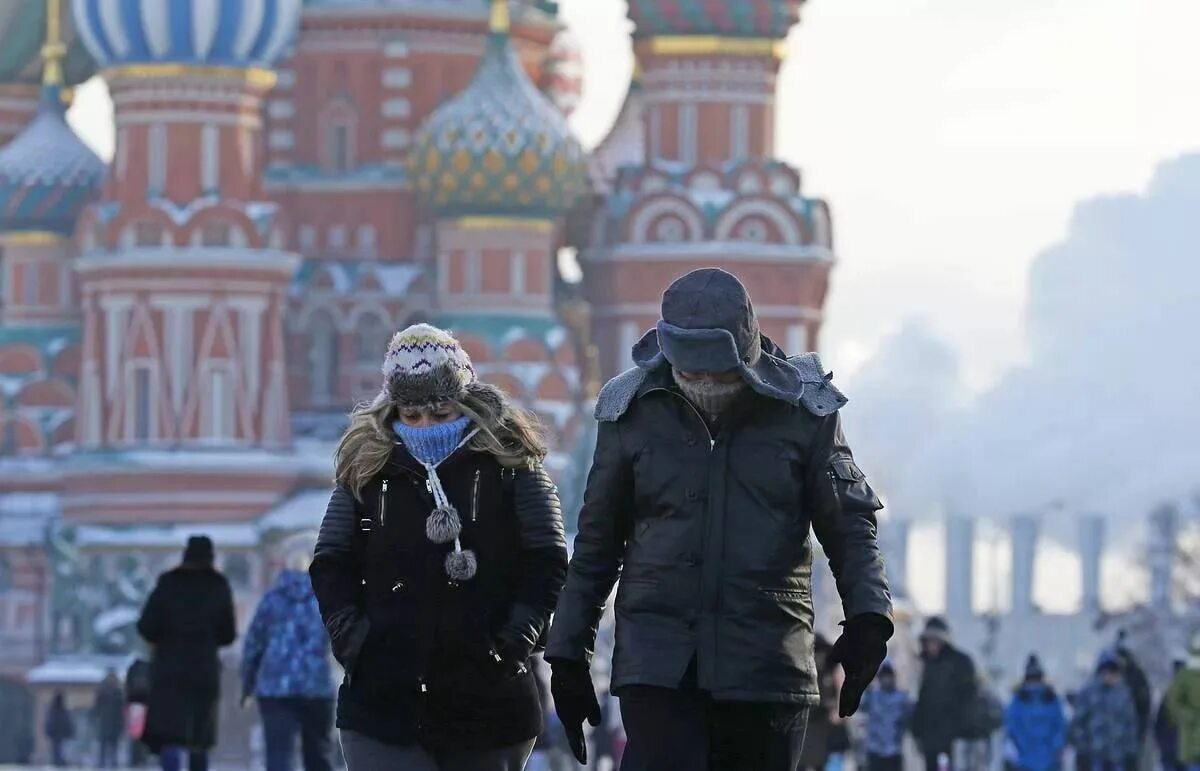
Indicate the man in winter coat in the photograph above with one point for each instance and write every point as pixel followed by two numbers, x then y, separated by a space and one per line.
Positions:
pixel 285 666
pixel 187 619
pixel 888 710
pixel 1104 727
pixel 947 697
pixel 1183 705
pixel 1035 723
pixel 109 714
pixel 715 459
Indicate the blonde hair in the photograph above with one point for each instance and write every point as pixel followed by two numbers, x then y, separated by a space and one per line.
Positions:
pixel 513 435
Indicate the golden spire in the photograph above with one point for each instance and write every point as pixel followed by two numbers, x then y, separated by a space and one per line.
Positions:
pixel 500 22
pixel 54 50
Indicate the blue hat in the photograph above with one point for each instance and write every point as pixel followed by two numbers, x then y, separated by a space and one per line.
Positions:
pixel 1108 660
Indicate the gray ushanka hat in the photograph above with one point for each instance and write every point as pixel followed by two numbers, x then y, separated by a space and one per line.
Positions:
pixel 709 325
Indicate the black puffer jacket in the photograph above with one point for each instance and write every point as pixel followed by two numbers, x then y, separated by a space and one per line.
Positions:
pixel 710 536
pixel 427 660
pixel 946 701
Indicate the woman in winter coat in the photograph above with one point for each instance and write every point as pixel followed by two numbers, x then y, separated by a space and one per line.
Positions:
pixel 1035 723
pixel 188 617
pixel 438 564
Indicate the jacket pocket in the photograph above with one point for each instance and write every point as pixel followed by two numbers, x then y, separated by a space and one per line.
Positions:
pixel 788 594
pixel 791 601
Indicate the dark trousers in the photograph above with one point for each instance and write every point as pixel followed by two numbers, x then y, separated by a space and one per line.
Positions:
pixel 57 757
pixel 363 753
pixel 108 753
pixel 311 719
pixel 885 762
pixel 671 728
pixel 172 759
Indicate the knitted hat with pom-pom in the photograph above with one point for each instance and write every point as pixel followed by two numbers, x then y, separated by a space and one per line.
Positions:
pixel 425 366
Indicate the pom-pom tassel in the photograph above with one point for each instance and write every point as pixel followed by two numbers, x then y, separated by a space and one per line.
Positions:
pixel 461 565
pixel 443 525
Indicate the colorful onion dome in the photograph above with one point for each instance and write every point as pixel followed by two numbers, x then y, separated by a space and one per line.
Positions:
pixel 47 174
pixel 230 33
pixel 22 23
pixel 746 18
pixel 562 72
pixel 499 146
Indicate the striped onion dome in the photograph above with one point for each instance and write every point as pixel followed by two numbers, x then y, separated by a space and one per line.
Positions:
pixel 47 174
pixel 230 33
pixel 746 18
pixel 22 33
pixel 499 146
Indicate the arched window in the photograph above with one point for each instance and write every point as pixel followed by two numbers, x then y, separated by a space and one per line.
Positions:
pixel 339 123
pixel 323 357
pixel 371 336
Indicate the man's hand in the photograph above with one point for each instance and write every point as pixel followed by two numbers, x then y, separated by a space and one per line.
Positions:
pixel 574 701
pixel 860 650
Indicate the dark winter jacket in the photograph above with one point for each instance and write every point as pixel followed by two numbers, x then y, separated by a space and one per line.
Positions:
pixel 188 617
pixel 428 660
pixel 1104 726
pixel 946 700
pixel 59 726
pixel 709 533
pixel 286 649
pixel 1037 727
pixel 109 710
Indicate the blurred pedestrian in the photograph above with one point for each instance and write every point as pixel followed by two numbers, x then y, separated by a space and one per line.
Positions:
pixel 946 701
pixel 819 721
pixel 59 728
pixel 887 709
pixel 1183 704
pixel 187 619
pixel 1166 733
pixel 1035 723
pixel 1138 684
pixel 1103 729
pixel 285 667
pixel 108 714
pixel 437 567
pixel 716 457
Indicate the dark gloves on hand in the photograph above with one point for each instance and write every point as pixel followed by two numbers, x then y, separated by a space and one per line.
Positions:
pixel 860 650
pixel 574 701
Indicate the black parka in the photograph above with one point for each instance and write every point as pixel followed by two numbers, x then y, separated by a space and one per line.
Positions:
pixel 709 534
pixel 420 651
pixel 946 701
pixel 188 617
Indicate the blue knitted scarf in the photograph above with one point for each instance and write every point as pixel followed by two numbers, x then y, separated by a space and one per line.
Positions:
pixel 432 444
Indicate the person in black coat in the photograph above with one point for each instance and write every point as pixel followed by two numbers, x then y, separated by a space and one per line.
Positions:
pixel 109 714
pixel 716 459
pixel 59 728
pixel 947 697
pixel 437 567
pixel 187 619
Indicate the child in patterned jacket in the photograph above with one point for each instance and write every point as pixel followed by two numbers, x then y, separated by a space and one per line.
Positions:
pixel 887 709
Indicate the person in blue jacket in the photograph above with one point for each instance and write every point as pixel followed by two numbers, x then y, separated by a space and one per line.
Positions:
pixel 285 666
pixel 1035 723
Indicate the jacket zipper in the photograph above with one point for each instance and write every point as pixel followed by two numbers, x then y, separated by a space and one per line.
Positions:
pixel 475 497
pixel 837 495
pixel 383 503
pixel 712 442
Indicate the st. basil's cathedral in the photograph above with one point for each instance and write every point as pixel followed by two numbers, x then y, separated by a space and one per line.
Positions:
pixel 184 330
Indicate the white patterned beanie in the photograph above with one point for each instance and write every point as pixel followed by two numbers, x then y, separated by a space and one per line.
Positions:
pixel 426 367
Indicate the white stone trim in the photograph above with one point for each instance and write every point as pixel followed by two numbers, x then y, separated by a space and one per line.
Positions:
pixel 281 139
pixel 396 138
pixel 281 109
pixel 721 251
pixel 397 77
pixel 396 107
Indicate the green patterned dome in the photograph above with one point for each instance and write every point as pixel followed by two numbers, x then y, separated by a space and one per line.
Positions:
pixel 499 147
pixel 22 33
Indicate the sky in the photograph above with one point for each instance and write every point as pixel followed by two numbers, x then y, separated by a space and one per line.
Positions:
pixel 1012 273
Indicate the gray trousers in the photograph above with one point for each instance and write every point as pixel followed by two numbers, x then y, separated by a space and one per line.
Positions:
pixel 363 753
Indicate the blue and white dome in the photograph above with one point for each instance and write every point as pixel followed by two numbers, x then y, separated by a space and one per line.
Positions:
pixel 229 33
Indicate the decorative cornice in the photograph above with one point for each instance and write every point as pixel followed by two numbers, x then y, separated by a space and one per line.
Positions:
pixel 32 238
pixel 252 76
pixel 503 223
pixel 715 45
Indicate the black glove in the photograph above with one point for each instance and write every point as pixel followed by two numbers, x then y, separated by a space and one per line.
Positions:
pixel 574 701
pixel 860 650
